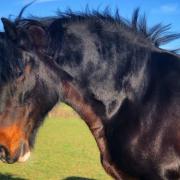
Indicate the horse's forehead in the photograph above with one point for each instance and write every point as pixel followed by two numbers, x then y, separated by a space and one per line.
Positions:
pixel 2 36
pixel 2 45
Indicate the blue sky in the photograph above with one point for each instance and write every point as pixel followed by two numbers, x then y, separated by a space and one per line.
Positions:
pixel 165 11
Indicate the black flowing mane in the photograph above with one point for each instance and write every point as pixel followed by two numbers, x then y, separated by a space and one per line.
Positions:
pixel 137 27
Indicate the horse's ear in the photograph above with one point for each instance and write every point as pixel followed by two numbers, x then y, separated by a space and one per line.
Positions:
pixel 37 35
pixel 10 29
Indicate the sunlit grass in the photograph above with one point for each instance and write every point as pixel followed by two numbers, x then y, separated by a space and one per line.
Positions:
pixel 64 148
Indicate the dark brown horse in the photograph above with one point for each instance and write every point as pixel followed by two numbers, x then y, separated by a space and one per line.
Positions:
pixel 113 73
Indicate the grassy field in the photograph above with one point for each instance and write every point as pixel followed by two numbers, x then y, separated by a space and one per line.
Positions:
pixel 64 150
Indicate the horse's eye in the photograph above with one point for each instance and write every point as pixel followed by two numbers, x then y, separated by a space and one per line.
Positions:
pixel 19 68
pixel 19 73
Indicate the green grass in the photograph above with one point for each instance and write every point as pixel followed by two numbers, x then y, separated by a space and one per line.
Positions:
pixel 64 149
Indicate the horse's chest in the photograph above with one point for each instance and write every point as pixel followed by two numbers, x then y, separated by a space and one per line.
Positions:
pixel 145 158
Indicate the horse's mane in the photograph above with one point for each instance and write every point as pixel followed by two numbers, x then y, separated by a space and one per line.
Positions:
pixel 157 35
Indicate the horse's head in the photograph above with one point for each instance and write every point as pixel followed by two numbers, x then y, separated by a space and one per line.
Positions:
pixel 10 72
pixel 25 95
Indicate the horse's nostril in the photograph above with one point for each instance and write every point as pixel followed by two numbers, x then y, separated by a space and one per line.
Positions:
pixel 3 153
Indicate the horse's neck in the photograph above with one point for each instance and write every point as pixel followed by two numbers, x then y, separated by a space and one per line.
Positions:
pixel 109 82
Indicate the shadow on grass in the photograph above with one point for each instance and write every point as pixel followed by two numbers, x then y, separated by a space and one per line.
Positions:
pixel 77 178
pixel 10 177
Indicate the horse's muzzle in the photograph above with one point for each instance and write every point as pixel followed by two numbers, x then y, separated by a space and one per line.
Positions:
pixel 5 155
pixel 22 154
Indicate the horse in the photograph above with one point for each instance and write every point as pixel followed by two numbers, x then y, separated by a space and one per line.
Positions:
pixel 113 73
